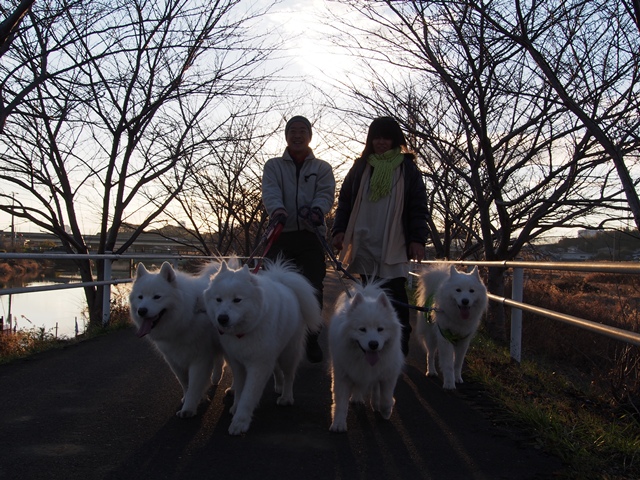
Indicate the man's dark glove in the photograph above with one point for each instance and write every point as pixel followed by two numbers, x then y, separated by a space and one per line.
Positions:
pixel 279 218
pixel 316 217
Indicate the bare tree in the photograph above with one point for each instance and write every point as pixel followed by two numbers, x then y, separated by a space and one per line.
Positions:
pixel 8 30
pixel 588 52
pixel 221 200
pixel 130 103
pixel 505 161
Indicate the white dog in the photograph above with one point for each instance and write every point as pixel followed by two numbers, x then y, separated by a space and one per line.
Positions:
pixel 263 320
pixel 167 306
pixel 366 356
pixel 459 300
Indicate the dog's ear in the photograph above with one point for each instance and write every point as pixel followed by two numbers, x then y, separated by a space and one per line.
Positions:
pixel 475 272
pixel 383 301
pixel 141 270
pixel 167 272
pixel 358 298
pixel 452 270
pixel 223 267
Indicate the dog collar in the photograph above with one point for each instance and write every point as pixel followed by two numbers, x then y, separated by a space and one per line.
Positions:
pixel 238 335
pixel 449 336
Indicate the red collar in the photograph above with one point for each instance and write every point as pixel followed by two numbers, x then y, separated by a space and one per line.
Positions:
pixel 238 335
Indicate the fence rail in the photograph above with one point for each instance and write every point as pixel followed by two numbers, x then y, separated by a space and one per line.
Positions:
pixel 515 302
pixel 106 281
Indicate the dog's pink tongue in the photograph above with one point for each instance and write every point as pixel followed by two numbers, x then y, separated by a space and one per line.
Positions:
pixel 145 328
pixel 372 357
pixel 465 312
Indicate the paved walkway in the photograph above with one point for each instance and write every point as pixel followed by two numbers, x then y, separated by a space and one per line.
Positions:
pixel 105 409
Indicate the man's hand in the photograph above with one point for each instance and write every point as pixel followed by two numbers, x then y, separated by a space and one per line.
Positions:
pixel 279 216
pixel 316 216
pixel 337 241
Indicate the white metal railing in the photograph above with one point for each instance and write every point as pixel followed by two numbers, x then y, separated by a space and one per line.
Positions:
pixel 517 306
pixel 515 302
pixel 107 281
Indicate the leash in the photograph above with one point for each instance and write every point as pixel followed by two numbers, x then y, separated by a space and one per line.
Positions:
pixel 270 235
pixel 305 213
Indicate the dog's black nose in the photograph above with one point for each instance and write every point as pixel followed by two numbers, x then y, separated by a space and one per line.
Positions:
pixel 223 319
pixel 142 312
pixel 465 301
pixel 373 345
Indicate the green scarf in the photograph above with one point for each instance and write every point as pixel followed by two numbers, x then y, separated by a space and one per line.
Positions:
pixel 383 166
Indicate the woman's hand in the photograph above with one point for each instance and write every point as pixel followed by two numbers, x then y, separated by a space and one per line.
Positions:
pixel 337 241
pixel 416 251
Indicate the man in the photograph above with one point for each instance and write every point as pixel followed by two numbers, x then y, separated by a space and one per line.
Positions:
pixel 298 182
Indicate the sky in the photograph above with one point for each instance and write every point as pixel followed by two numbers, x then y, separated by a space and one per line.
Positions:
pixel 308 56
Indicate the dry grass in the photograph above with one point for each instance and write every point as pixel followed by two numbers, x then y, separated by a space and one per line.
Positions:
pixel 577 391
pixel 605 364
pixel 594 439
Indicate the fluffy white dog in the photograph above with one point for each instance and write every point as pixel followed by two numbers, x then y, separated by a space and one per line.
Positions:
pixel 459 301
pixel 263 321
pixel 168 308
pixel 366 355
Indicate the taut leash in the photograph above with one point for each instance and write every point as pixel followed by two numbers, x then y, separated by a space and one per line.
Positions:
pixel 270 235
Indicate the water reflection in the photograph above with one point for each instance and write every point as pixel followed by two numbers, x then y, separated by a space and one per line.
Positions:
pixel 57 311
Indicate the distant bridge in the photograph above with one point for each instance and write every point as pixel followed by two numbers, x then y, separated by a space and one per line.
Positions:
pixel 145 243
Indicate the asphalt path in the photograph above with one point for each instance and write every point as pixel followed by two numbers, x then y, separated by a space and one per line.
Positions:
pixel 105 409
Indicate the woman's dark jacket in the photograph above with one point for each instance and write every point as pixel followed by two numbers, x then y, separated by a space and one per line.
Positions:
pixel 414 212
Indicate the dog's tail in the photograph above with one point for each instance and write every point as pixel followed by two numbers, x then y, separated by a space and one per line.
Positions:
pixel 281 271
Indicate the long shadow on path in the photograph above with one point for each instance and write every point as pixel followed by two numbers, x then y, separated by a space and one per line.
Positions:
pixel 106 409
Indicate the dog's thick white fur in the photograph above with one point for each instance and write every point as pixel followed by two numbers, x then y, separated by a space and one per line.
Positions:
pixel 168 308
pixel 263 319
pixel 366 353
pixel 459 301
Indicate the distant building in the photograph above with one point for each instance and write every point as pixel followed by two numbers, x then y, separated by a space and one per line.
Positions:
pixel 588 233
pixel 573 255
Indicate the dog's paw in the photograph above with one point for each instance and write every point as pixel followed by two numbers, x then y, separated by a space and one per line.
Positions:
pixel 431 372
pixel 449 385
pixel 338 426
pixel 357 399
pixel 284 401
pixel 459 379
pixel 239 426
pixel 386 412
pixel 185 413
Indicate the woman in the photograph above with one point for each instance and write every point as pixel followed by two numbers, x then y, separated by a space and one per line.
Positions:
pixel 381 219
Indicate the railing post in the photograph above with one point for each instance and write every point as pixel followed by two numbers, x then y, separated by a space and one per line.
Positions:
pixel 106 292
pixel 516 314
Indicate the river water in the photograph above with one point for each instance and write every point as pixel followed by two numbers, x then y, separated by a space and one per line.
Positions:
pixel 62 313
